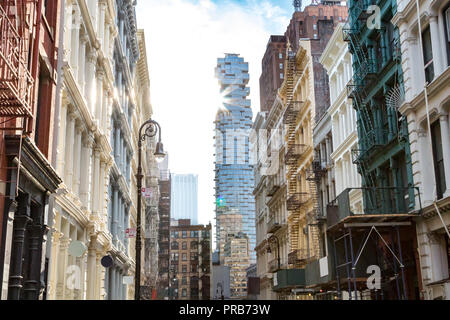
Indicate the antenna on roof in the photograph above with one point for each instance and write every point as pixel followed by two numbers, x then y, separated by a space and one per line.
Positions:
pixel 297 5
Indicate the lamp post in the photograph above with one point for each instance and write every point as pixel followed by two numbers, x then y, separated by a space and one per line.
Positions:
pixel 148 130
pixel 275 240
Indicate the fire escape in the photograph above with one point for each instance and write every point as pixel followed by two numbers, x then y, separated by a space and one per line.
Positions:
pixel 365 70
pixel 295 152
pixel 18 65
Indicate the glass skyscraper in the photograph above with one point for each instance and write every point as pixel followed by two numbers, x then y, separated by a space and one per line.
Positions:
pixel 184 199
pixel 234 177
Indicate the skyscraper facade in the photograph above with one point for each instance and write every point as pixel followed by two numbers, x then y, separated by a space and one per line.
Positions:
pixel 185 197
pixel 233 167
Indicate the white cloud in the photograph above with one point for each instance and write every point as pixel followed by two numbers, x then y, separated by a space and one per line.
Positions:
pixel 184 40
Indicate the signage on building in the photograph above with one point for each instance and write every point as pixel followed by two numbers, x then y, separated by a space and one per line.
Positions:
pixel 130 233
pixel 323 267
pixel 147 192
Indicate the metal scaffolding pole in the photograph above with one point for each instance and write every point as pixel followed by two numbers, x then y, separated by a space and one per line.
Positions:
pixel 405 292
pixel 338 281
pixel 348 268
pixel 353 261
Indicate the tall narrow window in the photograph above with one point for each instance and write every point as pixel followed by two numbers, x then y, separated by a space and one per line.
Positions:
pixel 447 33
pixel 438 159
pixel 428 55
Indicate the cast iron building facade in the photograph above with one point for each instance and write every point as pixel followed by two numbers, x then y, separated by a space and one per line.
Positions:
pixel 28 63
pixel 234 170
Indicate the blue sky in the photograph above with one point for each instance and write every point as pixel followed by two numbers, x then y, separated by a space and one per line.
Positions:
pixel 184 39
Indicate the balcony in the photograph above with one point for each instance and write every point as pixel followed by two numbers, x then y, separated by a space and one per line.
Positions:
pixel 375 139
pixel 16 82
pixel 273 266
pixel 273 226
pixel 297 200
pixel 368 67
pixel 292 111
pixel 295 153
pixel 358 9
pixel 298 256
pixel 320 272
pixel 273 186
pixel 289 279
pixel 378 204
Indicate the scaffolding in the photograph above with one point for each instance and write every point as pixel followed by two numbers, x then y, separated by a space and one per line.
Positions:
pixel 376 269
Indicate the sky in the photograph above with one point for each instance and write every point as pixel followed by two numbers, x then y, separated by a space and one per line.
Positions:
pixel 184 38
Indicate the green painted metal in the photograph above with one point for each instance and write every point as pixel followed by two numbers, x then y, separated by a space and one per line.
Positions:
pixel 289 278
pixel 377 69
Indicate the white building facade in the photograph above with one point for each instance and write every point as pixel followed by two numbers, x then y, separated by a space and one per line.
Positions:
pixel 97 139
pixel 337 60
pixel 428 65
pixel 83 153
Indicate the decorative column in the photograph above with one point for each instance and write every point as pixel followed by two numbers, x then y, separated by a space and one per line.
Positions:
pixel 69 149
pixel 91 270
pixel 100 95
pixel 62 137
pixel 99 271
pixel 96 183
pixel 90 81
pixel 68 30
pixel 117 143
pixel 115 217
pixel 82 63
pixel 32 286
pixel 445 135
pixel 120 221
pixel 101 24
pixel 75 40
pixel 77 160
pixel 21 220
pixel 436 45
pixel 101 197
pixel 62 268
pixel 85 181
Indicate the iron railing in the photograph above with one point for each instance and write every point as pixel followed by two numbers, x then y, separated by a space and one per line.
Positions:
pixel 295 152
pixel 376 201
pixel 296 200
pixel 273 225
pixel 16 82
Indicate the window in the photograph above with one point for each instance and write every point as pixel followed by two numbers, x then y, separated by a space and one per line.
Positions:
pixel 184 257
pixel 438 159
pixel 428 55
pixel 447 34
pixel 315 36
pixel 184 246
pixel 281 66
pixel 184 234
pixel 175 246
pixel 194 257
pixel 280 55
pixel 281 75
pixel 184 268
pixel 184 293
pixel 193 268
pixel 184 281
pixel 314 26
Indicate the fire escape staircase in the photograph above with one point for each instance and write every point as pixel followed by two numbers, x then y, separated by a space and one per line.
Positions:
pixel 18 19
pixel 363 67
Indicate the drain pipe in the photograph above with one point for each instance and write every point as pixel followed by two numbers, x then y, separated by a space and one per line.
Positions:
pixel 428 118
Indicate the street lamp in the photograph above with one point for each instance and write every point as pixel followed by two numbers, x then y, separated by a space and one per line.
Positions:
pixel 148 130
pixel 269 250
